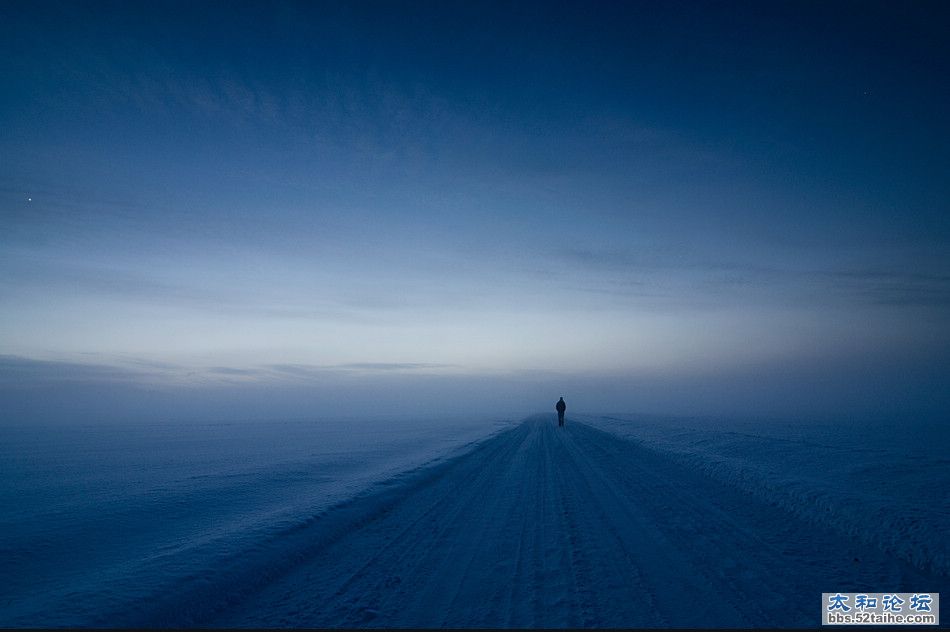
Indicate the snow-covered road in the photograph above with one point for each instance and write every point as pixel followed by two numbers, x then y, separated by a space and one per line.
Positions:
pixel 551 527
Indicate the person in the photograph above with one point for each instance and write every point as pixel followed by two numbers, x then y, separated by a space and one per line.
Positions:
pixel 561 407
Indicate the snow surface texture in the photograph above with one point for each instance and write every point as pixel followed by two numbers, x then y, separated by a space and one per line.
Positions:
pixel 681 524
pixel 885 484
pixel 98 518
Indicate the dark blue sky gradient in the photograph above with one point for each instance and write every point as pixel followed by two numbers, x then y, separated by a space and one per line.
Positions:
pixel 368 207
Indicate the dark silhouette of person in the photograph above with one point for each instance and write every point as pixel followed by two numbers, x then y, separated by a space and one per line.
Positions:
pixel 561 407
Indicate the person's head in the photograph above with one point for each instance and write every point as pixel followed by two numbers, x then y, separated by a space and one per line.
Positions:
pixel 562 398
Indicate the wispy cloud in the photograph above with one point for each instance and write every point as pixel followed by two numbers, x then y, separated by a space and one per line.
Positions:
pixel 19 371
pixel 312 371
pixel 633 274
pixel 78 278
pixel 391 366
pixel 16 371
pixel 902 289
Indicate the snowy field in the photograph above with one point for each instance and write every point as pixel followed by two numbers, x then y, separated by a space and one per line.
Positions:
pixel 611 521
pixel 99 518
pixel 883 483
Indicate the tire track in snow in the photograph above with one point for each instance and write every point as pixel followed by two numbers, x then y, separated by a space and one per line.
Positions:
pixel 667 573
pixel 547 526
pixel 416 556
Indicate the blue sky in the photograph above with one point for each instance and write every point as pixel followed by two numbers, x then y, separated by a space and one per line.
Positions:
pixel 660 206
